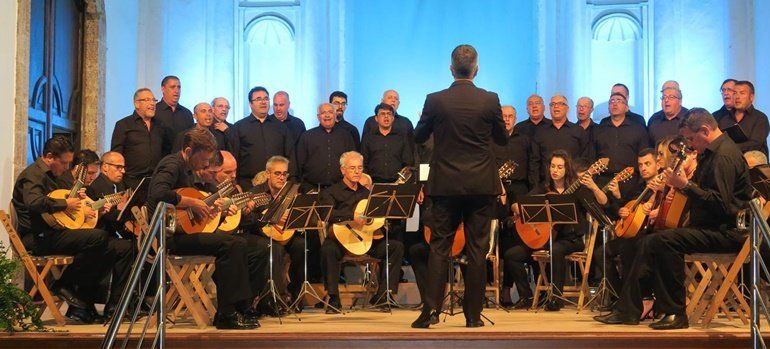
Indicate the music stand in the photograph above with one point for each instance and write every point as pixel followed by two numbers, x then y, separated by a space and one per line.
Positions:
pixel 390 201
pixel 306 214
pixel 551 209
pixel 604 291
pixel 137 198
pixel 272 216
pixel 760 180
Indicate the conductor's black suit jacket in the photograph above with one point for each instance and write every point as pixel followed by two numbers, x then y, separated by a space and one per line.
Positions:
pixel 464 120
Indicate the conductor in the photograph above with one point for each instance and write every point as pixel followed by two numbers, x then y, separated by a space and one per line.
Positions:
pixel 463 182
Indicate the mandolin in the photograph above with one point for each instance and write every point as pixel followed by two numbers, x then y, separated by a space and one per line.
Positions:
pixel 112 199
pixel 65 219
pixel 240 200
pixel 458 244
pixel 189 222
pixel 536 235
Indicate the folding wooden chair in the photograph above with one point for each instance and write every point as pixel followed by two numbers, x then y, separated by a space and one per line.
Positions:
pixel 365 289
pixel 583 261
pixel 43 270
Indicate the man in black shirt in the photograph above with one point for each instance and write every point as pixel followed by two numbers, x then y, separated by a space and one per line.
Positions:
pixel 620 140
pixel 585 107
pixel 401 124
pixel 719 189
pixel 221 128
pixel 141 138
pixel 752 121
pixel 281 105
pixel 536 120
pixel 339 100
pixel 92 257
pixel 232 275
pixel 257 137
pixel 560 133
pixel 204 118
pixel 174 116
pixel 518 149
pixel 84 157
pixel 633 117
pixel 344 196
pixel 319 150
pixel 727 90
pixel 666 122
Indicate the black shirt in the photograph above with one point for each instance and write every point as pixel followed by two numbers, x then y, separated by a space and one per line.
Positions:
pixel 343 199
pixel 318 155
pixel 754 124
pixel 528 128
pixel 519 149
pixel 172 173
pixel 401 124
pixel 352 130
pixel 636 118
pixel 570 137
pixel 142 148
pixel 590 130
pixel 722 112
pixel 660 126
pixel 223 143
pixel 30 198
pixel 621 144
pixel 296 126
pixel 176 121
pixel 100 187
pixel 723 186
pixel 65 180
pixel 385 155
pixel 253 142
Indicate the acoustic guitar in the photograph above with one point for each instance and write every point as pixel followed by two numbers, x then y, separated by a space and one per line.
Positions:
pixel 673 205
pixel 240 200
pixel 65 219
pixel 112 199
pixel 189 222
pixel 620 177
pixel 637 219
pixel 458 244
pixel 358 241
pixel 536 235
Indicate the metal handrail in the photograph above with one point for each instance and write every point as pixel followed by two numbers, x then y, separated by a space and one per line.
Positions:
pixel 162 221
pixel 760 233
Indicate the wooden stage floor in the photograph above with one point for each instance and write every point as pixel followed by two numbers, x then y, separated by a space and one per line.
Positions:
pixel 371 329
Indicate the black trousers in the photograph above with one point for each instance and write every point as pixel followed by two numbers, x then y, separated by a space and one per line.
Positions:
pixel 660 256
pixel 295 249
pixel 418 257
pixel 476 212
pixel 231 274
pixel 332 253
pixel 625 250
pixel 516 256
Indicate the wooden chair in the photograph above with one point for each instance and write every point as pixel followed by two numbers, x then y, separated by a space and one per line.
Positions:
pixel 583 261
pixel 43 270
pixel 365 289
pixel 711 280
pixel 190 291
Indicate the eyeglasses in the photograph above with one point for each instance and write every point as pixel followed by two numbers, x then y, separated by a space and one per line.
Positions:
pixel 355 168
pixel 153 100
pixel 281 174
pixel 665 98
pixel 261 99
pixel 558 104
pixel 617 101
pixel 723 90
pixel 117 167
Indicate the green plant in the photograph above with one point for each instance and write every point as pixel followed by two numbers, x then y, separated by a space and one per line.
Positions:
pixel 17 312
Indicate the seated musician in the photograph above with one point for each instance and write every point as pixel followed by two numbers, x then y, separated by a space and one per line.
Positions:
pixel 93 256
pixel 567 239
pixel 344 196
pixel 719 188
pixel 231 276
pixel 85 157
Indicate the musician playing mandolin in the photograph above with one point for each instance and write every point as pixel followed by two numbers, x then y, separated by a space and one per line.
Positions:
pixel 344 196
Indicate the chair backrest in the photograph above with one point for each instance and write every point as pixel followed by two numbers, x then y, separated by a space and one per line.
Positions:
pixel 9 222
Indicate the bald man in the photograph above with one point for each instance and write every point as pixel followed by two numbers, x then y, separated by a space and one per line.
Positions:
pixel 401 124
pixel 559 134
pixel 536 119
pixel 281 106
pixel 204 118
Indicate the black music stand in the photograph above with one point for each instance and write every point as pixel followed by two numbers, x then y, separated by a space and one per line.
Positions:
pixel 551 209
pixel 307 214
pixel 272 216
pixel 604 292
pixel 760 180
pixel 390 201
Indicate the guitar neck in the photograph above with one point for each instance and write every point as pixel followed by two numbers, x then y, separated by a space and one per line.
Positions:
pixel 112 199
pixel 75 188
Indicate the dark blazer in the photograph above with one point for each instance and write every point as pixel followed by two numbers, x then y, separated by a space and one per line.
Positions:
pixel 464 121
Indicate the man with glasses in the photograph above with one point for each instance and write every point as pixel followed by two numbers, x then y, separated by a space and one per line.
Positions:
pixel 401 123
pixel 257 137
pixel 140 138
pixel 560 133
pixel 221 128
pixel 665 122
pixel 339 101
pixel 319 148
pixel 633 117
pixel 752 121
pixel 585 107
pixel 536 120
pixel 727 90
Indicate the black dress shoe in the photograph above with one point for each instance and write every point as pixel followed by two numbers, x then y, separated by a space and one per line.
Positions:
pixel 617 318
pixel 434 317
pixel 425 319
pixel 474 323
pixel 95 316
pixel 507 304
pixel 69 296
pixel 232 321
pixel 523 303
pixel 335 306
pixel 251 316
pixel 82 315
pixel 554 305
pixel 671 322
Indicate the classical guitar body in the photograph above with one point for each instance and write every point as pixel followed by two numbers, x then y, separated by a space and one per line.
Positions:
pixel 457 245
pixel 673 213
pixel 230 223
pixel 630 226
pixel 187 221
pixel 88 222
pixel 355 241
pixel 281 236
pixel 64 219
pixel 372 224
pixel 534 235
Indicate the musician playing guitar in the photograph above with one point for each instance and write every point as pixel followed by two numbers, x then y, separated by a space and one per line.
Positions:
pixel 344 196
pixel 231 276
pixel 568 238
